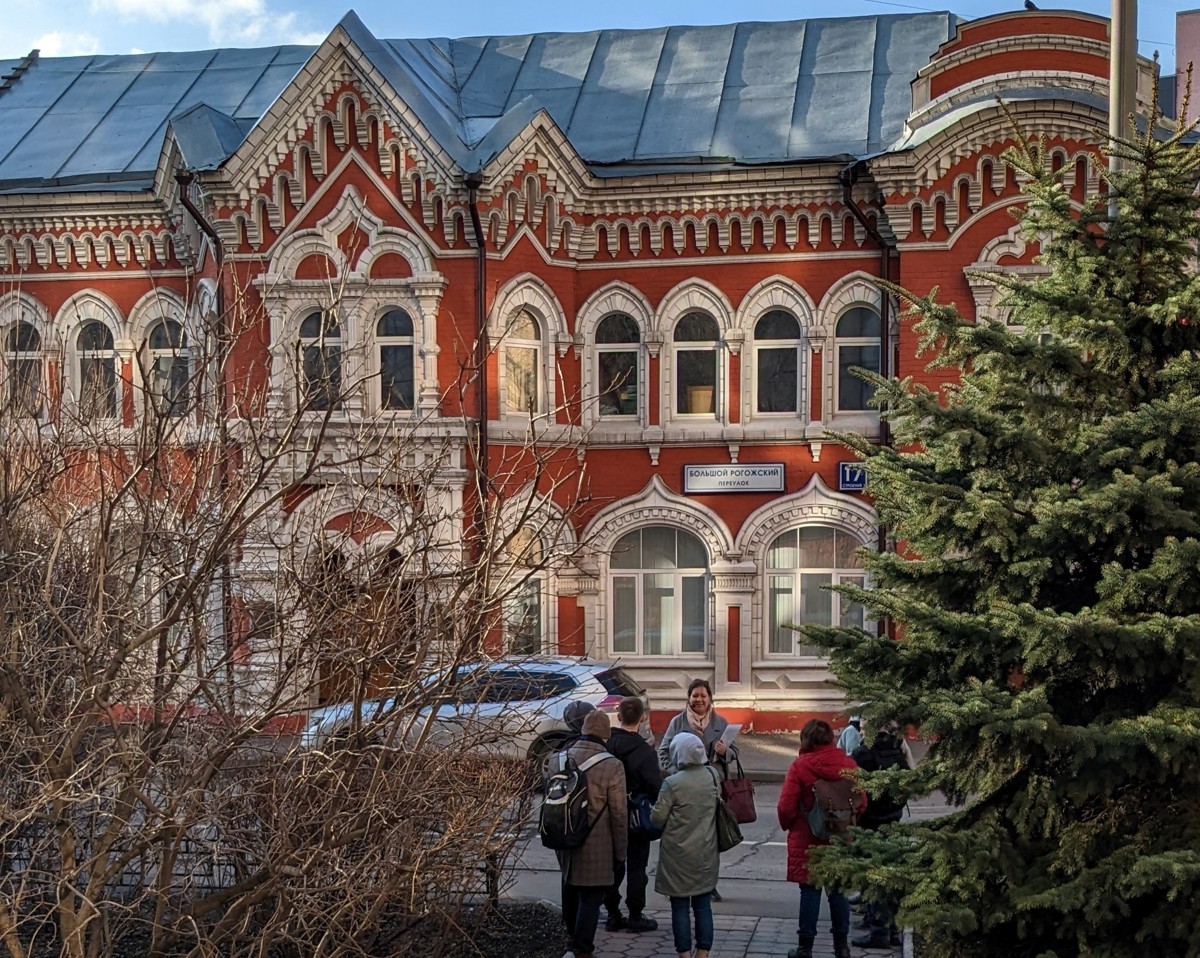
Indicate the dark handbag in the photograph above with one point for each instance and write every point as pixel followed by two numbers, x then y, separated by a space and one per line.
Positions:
pixel 639 818
pixel 738 793
pixel 729 833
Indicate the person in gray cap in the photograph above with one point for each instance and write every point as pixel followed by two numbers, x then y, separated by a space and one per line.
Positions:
pixel 575 713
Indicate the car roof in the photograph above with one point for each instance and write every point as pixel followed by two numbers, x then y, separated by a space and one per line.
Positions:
pixel 547 663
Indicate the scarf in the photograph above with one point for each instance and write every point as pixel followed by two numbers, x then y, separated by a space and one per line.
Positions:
pixel 699 722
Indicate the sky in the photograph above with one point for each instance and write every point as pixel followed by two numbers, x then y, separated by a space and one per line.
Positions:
pixel 74 27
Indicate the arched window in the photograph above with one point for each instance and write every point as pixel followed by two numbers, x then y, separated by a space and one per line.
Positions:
pixel 777 342
pixel 394 337
pixel 321 361
pixel 168 368
pixel 696 339
pixel 658 589
pixel 23 386
pixel 524 628
pixel 522 362
pixel 857 345
pixel 97 372
pixel 617 365
pixel 801 563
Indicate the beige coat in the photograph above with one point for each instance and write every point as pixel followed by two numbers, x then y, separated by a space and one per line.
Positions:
pixel 592 864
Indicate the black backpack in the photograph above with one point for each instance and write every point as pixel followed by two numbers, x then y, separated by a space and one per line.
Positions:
pixel 566 820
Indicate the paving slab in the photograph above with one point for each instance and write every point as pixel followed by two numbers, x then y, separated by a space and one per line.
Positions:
pixel 736 937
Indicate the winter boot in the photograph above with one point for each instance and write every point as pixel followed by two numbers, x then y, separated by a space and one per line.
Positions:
pixel 802 950
pixel 841 946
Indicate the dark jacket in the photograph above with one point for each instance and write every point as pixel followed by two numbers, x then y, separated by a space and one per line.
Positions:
pixel 642 775
pixel 885 752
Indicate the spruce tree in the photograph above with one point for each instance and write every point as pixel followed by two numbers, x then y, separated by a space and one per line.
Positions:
pixel 1045 588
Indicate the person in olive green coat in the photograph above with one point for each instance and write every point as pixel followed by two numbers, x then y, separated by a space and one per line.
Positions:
pixel 688 859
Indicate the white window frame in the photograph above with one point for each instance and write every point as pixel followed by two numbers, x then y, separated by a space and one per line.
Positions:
pixel 79 355
pixel 677 577
pixel 639 368
pixel 14 358
pixel 306 342
pixel 838 575
pixel 716 347
pixel 852 342
pixel 537 346
pixel 379 344
pixel 181 353
pixel 800 347
pixel 533 583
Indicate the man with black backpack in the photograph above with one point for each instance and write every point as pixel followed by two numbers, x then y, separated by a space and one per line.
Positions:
pixel 885 752
pixel 584 818
pixel 643 779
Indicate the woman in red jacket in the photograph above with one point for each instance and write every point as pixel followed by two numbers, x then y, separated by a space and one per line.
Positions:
pixel 819 758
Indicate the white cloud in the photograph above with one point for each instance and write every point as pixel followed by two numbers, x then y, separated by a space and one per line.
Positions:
pixel 59 44
pixel 227 21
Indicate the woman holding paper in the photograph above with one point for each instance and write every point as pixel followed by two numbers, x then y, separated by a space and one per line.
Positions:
pixel 700 719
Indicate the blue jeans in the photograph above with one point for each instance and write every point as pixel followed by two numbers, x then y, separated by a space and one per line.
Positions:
pixel 681 925
pixel 810 909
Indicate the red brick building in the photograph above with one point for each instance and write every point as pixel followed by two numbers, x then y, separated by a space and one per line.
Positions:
pixel 682 227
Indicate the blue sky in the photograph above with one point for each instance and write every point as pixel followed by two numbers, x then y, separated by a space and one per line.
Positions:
pixel 69 27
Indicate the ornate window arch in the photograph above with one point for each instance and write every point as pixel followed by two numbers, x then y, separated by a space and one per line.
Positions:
pixel 616 354
pixel 695 320
pixel 776 320
pixel 651 608
pixel 382 269
pixel 526 324
pixel 989 296
pixel 802 544
pixel 851 315
pixel 24 380
pixel 96 347
pixel 165 371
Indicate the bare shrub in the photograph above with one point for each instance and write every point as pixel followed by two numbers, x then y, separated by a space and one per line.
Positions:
pixel 163 632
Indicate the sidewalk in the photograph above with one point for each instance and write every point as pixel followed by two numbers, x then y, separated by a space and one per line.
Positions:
pixel 736 937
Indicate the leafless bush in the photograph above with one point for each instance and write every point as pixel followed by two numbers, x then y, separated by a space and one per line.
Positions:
pixel 172 601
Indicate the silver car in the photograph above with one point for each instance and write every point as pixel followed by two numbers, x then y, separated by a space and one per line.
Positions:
pixel 512 707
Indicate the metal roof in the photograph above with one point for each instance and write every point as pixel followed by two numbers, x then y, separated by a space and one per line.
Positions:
pixel 671 97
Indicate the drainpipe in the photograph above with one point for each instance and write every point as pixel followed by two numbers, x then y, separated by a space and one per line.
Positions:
pixel 473 182
pixel 185 178
pixel 848 177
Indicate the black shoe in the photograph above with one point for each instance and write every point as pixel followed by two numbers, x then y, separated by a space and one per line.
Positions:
pixel 639 923
pixel 615 922
pixel 873 940
pixel 841 947
pixel 716 895
pixel 803 950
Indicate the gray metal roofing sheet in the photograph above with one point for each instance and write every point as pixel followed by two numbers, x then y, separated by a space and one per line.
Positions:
pixel 748 93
